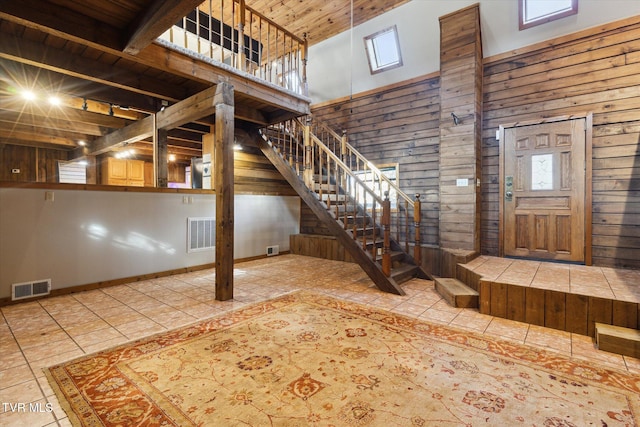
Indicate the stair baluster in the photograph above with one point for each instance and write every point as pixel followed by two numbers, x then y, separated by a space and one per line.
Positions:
pixel 359 196
pixel 417 248
pixel 386 224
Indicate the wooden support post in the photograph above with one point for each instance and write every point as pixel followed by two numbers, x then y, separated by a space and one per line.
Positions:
pixel 92 170
pixel 161 166
pixel 417 249
pixel 386 224
pixel 224 136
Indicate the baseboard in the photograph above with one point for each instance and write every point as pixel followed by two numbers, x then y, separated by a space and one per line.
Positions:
pixel 121 281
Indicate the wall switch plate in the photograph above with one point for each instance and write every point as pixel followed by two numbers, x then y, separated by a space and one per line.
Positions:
pixel 49 196
pixel 16 170
pixel 462 182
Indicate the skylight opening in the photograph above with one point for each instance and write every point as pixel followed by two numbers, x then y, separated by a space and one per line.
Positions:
pixel 383 50
pixel 536 12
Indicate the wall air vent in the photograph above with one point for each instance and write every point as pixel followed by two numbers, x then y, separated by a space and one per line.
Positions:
pixel 273 250
pixel 30 289
pixel 201 234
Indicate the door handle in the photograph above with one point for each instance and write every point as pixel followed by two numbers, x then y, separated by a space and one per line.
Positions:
pixel 508 188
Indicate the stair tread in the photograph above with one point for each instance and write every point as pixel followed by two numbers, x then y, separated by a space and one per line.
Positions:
pixel 403 268
pixel 457 293
pixel 618 339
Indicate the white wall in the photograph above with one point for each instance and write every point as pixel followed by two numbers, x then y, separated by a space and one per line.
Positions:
pixel 91 236
pixel 339 68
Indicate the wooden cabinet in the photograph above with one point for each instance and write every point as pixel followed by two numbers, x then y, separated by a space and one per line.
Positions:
pixel 123 172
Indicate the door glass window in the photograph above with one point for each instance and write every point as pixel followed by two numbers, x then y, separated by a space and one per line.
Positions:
pixel 542 172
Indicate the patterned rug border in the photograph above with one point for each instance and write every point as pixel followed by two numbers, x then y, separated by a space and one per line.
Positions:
pixel 552 363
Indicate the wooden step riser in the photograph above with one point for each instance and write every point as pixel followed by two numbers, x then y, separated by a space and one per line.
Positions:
pixel 619 340
pixel 456 293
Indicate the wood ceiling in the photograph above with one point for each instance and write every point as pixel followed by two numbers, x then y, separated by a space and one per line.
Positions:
pixel 99 55
pixel 320 19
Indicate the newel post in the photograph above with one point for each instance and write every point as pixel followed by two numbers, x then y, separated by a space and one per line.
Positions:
pixel 305 58
pixel 343 145
pixel 417 249
pixel 386 224
pixel 241 53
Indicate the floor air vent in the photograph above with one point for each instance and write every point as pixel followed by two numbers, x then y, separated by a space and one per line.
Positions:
pixel 30 289
pixel 201 234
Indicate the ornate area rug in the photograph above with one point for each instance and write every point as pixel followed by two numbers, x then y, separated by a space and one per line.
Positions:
pixel 308 359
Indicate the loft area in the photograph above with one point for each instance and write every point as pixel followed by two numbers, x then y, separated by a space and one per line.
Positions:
pixel 214 31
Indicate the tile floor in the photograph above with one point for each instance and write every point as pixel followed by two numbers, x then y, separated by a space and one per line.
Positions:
pixel 37 334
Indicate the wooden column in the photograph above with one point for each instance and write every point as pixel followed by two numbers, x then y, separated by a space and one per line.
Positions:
pixel 161 166
pixel 460 129
pixel 223 182
pixel 92 170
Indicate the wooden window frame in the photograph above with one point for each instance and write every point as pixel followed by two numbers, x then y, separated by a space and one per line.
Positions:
pixel 543 20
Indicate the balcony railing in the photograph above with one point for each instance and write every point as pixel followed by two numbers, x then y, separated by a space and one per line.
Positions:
pixel 229 32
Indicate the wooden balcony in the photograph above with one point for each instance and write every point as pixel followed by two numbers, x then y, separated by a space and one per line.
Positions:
pixel 104 61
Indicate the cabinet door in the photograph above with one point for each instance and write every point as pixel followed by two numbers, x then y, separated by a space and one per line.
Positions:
pixel 148 175
pixel 117 168
pixel 136 173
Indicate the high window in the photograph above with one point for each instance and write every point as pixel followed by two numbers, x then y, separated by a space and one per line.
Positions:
pixel 536 12
pixel 378 186
pixel 383 50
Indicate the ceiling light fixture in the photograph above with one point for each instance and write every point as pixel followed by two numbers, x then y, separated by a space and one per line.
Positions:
pixel 28 95
pixel 54 100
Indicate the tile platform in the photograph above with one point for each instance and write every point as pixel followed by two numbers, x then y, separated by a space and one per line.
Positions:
pixel 568 297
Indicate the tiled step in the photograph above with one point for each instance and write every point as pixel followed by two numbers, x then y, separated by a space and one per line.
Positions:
pixel 619 340
pixel 457 293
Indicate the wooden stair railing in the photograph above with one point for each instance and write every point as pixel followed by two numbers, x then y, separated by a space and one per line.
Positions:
pixel 354 212
pixel 408 212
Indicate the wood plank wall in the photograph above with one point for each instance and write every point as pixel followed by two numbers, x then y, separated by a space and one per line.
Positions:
pixel 460 128
pixel 35 164
pixel 396 124
pixel 591 71
pixel 254 174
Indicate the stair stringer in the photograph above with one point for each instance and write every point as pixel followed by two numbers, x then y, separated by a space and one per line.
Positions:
pixel 345 237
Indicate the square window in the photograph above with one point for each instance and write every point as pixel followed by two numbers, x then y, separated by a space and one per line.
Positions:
pixel 383 50
pixel 536 12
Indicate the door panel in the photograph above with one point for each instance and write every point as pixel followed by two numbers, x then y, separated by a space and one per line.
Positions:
pixel 544 190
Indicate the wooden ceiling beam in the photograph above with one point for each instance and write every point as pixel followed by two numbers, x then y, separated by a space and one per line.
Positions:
pixel 102 121
pixel 57 20
pixel 155 20
pixel 135 132
pixel 28 133
pixel 193 108
pixel 66 63
pixel 9 118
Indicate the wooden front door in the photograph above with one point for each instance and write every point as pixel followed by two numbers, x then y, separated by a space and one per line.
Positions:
pixel 543 190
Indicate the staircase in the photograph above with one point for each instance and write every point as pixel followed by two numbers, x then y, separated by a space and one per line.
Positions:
pixel 351 197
